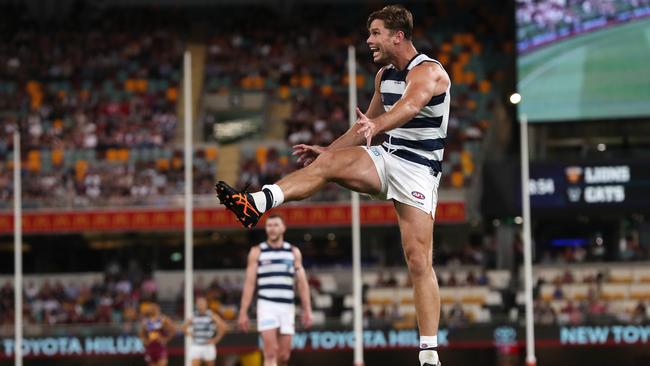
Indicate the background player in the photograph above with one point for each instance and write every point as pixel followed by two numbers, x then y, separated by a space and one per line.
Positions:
pixel 273 265
pixel 206 329
pixel 411 105
pixel 156 331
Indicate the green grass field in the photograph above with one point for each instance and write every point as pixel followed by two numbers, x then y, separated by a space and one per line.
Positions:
pixel 596 75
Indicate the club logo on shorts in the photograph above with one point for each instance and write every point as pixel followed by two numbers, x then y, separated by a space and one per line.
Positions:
pixel 417 195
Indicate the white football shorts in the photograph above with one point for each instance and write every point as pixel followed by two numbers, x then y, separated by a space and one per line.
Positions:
pixel 404 181
pixel 203 352
pixel 271 315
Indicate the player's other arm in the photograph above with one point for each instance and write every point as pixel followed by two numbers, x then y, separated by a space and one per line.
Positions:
pixel 352 137
pixel 303 288
pixel 143 334
pixel 307 153
pixel 249 287
pixel 170 329
pixel 186 326
pixel 423 82
pixel 222 329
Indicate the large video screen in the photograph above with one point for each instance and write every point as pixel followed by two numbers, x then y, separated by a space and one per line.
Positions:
pixel 583 59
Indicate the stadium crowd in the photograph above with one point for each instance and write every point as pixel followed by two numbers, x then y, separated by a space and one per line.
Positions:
pixel 120 296
pixel 115 299
pixel 98 116
pixel 560 307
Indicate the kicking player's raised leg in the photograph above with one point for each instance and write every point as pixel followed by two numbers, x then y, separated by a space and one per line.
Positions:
pixel 350 167
pixel 416 228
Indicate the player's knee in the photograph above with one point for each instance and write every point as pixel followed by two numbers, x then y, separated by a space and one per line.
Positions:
pixel 270 353
pixel 418 261
pixel 283 357
pixel 325 162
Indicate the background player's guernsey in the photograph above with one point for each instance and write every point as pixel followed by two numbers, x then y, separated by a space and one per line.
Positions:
pixel 275 274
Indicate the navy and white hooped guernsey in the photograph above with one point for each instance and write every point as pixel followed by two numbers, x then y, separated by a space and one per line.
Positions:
pixel 203 327
pixel 422 139
pixel 275 274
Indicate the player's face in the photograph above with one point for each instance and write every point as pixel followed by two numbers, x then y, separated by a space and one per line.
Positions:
pixel 381 41
pixel 201 304
pixel 274 229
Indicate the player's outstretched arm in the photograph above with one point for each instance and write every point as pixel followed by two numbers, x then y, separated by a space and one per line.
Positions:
pixel 376 109
pixel 423 82
pixel 307 153
pixel 186 326
pixel 249 288
pixel 303 288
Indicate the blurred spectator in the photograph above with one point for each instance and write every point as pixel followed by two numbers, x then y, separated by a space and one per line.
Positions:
pixel 639 314
pixel 572 313
pixel 457 317
pixel 544 314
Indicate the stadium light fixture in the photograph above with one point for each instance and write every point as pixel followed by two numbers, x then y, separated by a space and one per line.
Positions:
pixel 515 98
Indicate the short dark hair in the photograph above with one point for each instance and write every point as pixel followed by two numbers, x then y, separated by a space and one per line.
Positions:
pixel 275 216
pixel 396 18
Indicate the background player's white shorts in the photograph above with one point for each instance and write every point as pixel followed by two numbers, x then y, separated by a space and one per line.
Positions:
pixel 404 181
pixel 203 352
pixel 271 315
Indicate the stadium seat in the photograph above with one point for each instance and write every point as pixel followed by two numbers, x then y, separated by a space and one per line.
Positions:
pixel 322 301
pixel 328 283
pixel 346 317
pixel 499 279
pixel 621 274
pixel 640 291
pixel 493 298
pixel 348 301
pixel 641 274
pixel 615 291
pixel 318 317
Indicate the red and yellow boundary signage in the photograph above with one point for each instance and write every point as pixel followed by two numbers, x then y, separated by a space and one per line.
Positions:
pixel 132 219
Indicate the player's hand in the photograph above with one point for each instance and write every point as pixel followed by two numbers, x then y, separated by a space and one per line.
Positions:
pixel 242 322
pixel 307 319
pixel 307 153
pixel 366 127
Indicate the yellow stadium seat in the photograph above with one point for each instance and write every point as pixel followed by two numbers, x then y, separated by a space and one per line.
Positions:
pixel 485 86
pixel 162 164
pixel 260 155
pixel 57 156
pixel 171 94
pixel 211 153
pixel 457 179
pixel 123 154
pixel 111 154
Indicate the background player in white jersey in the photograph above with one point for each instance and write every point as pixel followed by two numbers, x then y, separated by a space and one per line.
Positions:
pixel 411 106
pixel 273 266
pixel 206 329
